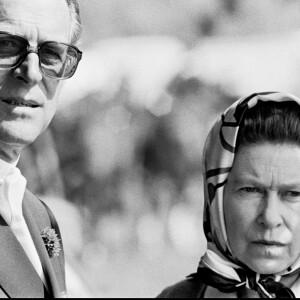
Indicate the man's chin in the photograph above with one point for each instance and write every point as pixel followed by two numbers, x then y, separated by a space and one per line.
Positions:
pixel 17 137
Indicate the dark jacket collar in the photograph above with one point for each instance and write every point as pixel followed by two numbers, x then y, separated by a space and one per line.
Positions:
pixel 18 277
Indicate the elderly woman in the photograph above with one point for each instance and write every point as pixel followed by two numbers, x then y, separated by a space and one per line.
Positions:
pixel 252 203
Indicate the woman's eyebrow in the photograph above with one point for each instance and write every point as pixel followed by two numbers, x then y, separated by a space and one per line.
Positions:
pixel 243 177
pixel 290 185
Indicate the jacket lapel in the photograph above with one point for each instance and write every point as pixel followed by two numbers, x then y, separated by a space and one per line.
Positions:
pixel 18 277
pixel 37 219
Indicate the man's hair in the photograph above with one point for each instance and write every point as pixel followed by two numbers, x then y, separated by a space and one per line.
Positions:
pixel 274 122
pixel 76 28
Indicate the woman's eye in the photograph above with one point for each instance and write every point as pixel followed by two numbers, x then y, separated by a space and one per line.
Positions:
pixel 250 190
pixel 292 194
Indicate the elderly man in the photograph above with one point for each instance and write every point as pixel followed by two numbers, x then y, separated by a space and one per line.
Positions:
pixel 37 52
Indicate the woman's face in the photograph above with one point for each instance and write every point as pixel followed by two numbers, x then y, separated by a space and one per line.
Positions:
pixel 262 207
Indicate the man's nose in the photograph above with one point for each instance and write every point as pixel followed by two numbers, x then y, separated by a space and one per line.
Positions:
pixel 29 70
pixel 270 214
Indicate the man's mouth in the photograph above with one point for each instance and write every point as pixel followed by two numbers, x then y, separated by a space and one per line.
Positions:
pixel 22 103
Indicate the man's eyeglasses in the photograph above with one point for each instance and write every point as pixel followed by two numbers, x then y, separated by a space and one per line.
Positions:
pixel 56 60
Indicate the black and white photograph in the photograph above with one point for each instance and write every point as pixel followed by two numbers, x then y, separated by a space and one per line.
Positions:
pixel 150 149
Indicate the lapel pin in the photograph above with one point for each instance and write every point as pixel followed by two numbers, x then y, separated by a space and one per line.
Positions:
pixel 51 241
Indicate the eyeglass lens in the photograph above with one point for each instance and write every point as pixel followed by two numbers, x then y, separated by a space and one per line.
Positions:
pixel 57 60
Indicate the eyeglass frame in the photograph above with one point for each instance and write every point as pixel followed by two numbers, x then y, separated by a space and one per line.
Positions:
pixel 31 49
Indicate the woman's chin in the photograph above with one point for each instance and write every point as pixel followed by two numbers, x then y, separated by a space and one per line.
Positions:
pixel 267 266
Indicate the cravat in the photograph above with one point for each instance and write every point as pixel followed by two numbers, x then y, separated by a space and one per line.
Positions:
pixel 13 191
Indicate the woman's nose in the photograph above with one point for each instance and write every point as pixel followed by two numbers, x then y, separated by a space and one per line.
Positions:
pixel 270 214
pixel 29 70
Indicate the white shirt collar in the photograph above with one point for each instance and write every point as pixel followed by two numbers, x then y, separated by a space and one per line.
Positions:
pixel 6 167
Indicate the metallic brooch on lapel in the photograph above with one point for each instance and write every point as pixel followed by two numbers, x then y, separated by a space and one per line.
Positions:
pixel 51 241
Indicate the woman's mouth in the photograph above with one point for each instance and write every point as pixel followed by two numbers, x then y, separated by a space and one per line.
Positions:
pixel 266 246
pixel 269 243
pixel 268 249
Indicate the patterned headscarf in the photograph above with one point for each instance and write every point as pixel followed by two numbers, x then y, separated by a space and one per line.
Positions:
pixel 219 155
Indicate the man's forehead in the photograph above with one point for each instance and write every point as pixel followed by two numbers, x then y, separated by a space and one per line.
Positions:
pixel 40 18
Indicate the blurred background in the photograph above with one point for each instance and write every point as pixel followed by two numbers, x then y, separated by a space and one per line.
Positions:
pixel 120 165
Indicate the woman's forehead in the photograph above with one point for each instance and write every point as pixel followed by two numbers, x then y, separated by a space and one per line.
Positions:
pixel 267 160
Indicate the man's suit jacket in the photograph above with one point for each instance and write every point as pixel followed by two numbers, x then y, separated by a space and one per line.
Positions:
pixel 18 277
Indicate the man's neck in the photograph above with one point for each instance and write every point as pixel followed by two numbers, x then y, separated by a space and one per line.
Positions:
pixel 10 154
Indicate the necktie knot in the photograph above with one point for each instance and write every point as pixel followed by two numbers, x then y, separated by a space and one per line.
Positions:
pixel 14 188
